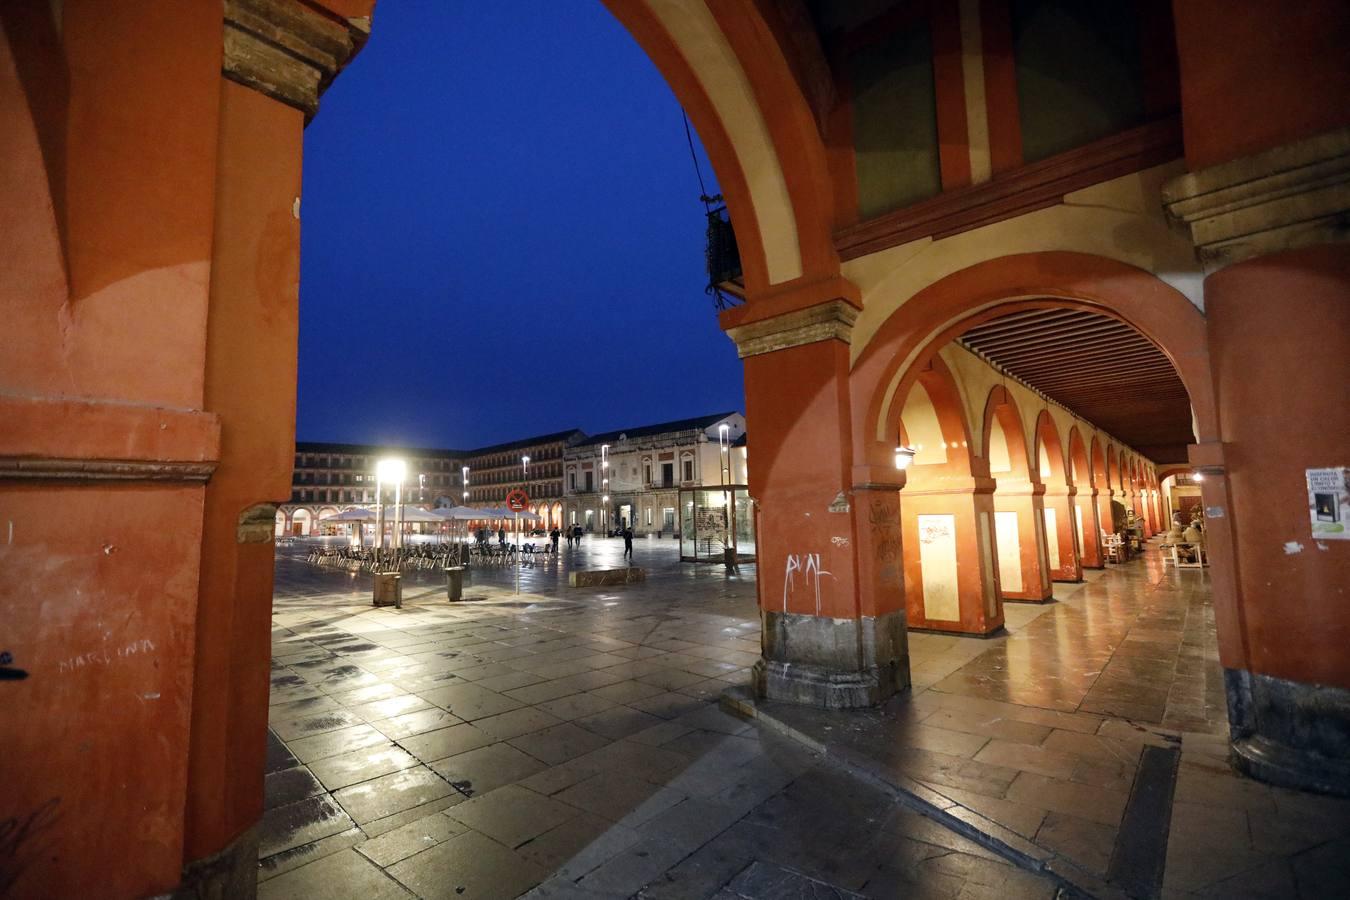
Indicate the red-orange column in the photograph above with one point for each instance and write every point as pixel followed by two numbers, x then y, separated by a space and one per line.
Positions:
pixel 1062 554
pixel 250 383
pixel 1088 514
pixel 950 582
pixel 1280 370
pixel 107 143
pixel 829 584
pixel 1105 523
pixel 1019 516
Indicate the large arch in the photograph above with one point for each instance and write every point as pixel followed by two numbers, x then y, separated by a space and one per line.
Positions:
pixel 1051 279
pixel 760 134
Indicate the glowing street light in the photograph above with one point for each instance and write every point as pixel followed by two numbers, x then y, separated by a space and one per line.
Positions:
pixel 724 446
pixel 604 484
pixel 387 470
pixel 724 471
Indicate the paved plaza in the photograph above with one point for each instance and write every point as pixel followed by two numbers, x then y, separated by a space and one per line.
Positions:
pixel 563 742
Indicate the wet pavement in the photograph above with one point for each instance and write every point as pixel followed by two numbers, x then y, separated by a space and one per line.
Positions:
pixel 1042 742
pixel 564 743
pixel 567 742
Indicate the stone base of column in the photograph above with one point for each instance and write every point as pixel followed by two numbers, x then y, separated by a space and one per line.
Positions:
pixel 832 663
pixel 1289 733
pixel 231 874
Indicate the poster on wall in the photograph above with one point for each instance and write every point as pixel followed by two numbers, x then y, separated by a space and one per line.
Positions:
pixel 1329 503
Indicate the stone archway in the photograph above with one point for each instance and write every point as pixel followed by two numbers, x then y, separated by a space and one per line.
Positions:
pixel 1085 501
pixel 1053 279
pixel 1061 531
pixel 946 512
pixel 1019 511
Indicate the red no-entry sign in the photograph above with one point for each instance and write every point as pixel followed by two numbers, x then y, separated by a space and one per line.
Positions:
pixel 517 500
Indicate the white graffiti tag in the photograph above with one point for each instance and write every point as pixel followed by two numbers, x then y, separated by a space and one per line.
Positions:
pixel 808 564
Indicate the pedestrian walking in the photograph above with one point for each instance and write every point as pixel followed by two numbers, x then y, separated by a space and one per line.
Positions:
pixel 628 543
pixel 501 537
pixel 554 535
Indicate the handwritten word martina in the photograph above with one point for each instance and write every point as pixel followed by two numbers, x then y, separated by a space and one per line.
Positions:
pixel 106 657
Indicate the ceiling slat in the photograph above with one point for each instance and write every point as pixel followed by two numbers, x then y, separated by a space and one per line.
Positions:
pixel 1097 366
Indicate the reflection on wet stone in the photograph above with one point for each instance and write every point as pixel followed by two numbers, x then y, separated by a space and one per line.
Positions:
pixel 568 740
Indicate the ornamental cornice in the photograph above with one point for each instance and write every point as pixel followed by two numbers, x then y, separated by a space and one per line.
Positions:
pixel 1287 197
pixel 288 50
pixel 832 321
pixel 91 470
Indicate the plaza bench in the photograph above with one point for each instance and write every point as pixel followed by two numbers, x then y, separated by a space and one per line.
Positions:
pixel 602 577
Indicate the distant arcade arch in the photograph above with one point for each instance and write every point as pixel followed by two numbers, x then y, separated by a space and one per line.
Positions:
pixel 942 311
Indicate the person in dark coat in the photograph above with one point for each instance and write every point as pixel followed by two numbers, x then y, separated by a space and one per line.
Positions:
pixel 628 543
pixel 554 534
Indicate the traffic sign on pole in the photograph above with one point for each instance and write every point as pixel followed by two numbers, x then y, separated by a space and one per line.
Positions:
pixel 517 500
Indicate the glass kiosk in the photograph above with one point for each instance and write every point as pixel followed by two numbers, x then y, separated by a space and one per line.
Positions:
pixel 713 519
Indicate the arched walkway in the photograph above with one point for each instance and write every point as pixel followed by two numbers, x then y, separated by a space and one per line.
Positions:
pixel 946 513
pixel 1019 511
pixel 942 311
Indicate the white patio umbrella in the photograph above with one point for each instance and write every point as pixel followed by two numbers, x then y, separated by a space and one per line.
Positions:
pixel 458 513
pixel 462 514
pixel 413 514
pixel 355 514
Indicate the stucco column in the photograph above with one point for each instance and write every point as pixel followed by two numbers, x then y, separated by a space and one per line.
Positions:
pixel 829 586
pixel 950 581
pixel 251 360
pixel 1062 553
pixel 1270 228
pixel 1104 519
pixel 1088 516
pixel 1019 528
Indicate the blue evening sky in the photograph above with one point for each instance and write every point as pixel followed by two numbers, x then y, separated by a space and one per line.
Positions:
pixel 502 235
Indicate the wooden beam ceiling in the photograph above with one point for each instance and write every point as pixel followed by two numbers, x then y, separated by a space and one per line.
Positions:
pixel 1097 366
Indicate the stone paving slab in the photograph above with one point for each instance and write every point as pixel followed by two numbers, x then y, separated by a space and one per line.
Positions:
pixel 545 746
pixel 1031 745
pixel 567 743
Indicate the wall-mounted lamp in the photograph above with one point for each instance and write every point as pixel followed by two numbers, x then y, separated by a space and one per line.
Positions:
pixel 903 457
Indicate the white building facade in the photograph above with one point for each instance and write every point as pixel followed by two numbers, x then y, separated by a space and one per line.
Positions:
pixel 633 477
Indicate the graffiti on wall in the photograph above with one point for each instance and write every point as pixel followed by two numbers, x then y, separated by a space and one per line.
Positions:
pixel 808 567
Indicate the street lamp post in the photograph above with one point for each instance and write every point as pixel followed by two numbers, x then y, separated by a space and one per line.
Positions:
pixel 724 472
pixel 395 470
pixel 379 512
pixel 464 483
pixel 604 485
pixel 520 556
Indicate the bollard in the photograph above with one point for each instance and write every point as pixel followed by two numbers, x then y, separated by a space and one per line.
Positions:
pixel 388 589
pixel 454 583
